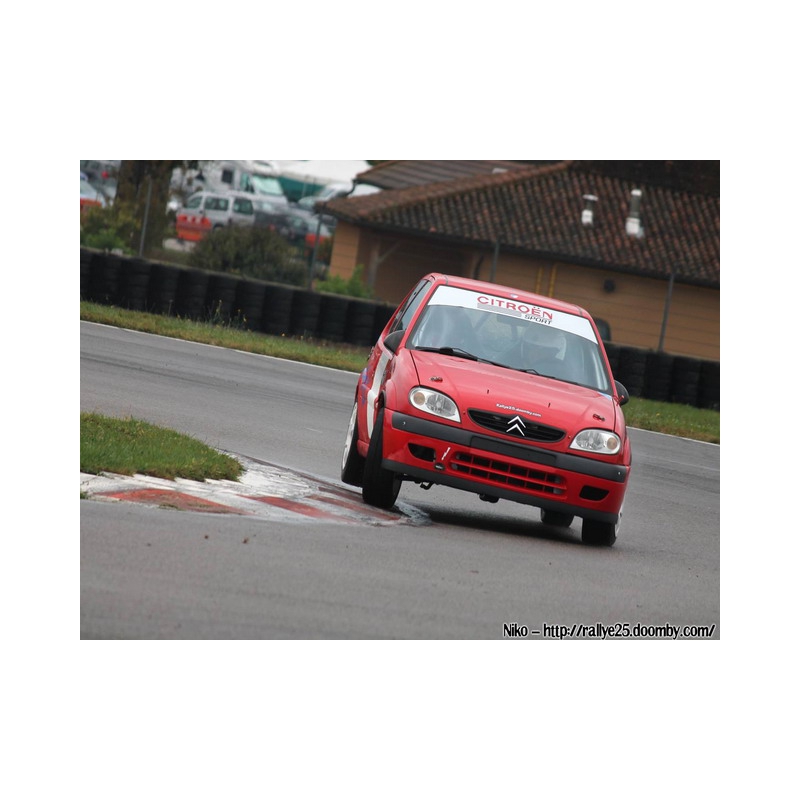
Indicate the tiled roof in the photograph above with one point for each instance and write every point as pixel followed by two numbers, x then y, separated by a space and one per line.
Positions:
pixel 537 210
pixel 402 174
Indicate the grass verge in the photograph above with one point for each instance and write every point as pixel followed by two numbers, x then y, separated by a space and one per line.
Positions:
pixel 130 446
pixel 678 420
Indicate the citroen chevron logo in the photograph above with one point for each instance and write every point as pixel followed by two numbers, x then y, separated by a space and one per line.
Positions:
pixel 517 426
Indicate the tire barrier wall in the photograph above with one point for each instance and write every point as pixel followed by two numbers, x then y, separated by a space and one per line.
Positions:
pixel 282 310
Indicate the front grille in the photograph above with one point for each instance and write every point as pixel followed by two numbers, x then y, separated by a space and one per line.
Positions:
pixel 512 425
pixel 503 473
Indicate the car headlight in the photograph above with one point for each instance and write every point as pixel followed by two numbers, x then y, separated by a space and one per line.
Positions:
pixel 593 440
pixel 434 403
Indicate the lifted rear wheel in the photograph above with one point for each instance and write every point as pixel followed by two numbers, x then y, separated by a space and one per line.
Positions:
pixel 352 462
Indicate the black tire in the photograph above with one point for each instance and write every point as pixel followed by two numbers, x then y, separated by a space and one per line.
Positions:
pixel 708 387
pixel 379 486
pixel 352 462
pixel 658 376
pixel 220 297
pixel 599 534
pixel 249 303
pixel 630 370
pixel 685 380
pixel 332 317
pixel 304 317
pixel 277 309
pixel 190 294
pixel 556 518
pixel 104 278
pixel 163 288
pixel 134 278
pixel 360 319
pixel 86 272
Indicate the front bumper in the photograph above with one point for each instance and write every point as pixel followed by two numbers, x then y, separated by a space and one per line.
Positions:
pixel 430 451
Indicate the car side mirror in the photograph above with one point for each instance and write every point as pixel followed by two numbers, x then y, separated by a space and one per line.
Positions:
pixel 392 341
pixel 622 393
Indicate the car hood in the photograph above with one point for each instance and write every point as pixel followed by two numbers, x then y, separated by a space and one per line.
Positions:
pixel 506 391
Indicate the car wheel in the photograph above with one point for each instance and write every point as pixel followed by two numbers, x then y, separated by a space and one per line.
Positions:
pixel 557 518
pixel 380 486
pixel 352 462
pixel 599 534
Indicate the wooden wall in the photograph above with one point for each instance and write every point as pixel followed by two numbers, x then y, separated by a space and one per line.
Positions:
pixel 634 309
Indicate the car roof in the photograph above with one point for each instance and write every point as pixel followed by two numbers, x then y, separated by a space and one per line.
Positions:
pixel 507 291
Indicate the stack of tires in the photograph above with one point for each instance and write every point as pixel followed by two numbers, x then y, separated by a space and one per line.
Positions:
pixel 134 278
pixel 163 288
pixel 104 278
pixel 332 321
pixel 249 303
pixel 360 322
pixel 190 295
pixel 631 370
pixel 685 380
pixel 277 309
pixel 708 391
pixel 86 272
pixel 304 315
pixel 658 376
pixel 220 297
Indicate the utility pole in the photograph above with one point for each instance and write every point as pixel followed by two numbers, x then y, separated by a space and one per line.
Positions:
pixel 667 304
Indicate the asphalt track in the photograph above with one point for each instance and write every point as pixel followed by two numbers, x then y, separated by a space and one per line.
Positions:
pixel 293 554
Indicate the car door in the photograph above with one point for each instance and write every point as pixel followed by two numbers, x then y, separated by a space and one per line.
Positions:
pixel 380 357
pixel 243 212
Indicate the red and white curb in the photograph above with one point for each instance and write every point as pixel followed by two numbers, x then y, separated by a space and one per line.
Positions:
pixel 264 490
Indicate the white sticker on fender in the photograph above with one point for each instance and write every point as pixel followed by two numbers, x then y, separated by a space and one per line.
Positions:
pixel 374 390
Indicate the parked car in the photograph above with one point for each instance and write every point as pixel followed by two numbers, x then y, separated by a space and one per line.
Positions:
pixel 91 196
pixel 269 214
pixel 205 211
pixel 302 227
pixel 495 391
pixel 297 226
pixel 103 176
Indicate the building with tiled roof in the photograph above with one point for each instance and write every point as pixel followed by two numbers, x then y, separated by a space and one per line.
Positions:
pixel 625 249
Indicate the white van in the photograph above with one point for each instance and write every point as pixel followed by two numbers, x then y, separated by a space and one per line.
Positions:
pixel 253 177
pixel 206 211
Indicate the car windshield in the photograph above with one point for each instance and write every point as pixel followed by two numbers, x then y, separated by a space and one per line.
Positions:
pixel 513 334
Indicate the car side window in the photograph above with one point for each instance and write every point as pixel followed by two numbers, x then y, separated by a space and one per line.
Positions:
pixel 194 202
pixel 242 206
pixel 405 315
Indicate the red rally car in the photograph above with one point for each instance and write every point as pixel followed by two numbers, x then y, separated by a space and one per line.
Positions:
pixel 495 391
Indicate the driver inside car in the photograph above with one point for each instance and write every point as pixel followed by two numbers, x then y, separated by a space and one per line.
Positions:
pixel 541 348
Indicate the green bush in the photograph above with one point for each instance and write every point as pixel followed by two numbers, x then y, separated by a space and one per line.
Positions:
pixel 354 286
pixel 251 252
pixel 112 228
